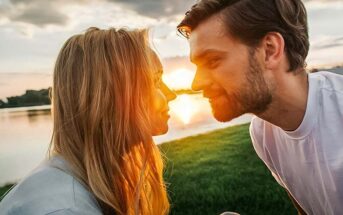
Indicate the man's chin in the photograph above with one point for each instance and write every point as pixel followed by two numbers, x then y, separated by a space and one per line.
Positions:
pixel 223 110
pixel 222 116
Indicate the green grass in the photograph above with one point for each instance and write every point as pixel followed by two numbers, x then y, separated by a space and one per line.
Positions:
pixel 220 171
pixel 4 189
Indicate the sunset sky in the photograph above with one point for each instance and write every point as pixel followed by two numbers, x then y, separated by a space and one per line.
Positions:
pixel 33 31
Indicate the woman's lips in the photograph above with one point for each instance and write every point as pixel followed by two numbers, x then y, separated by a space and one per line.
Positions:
pixel 166 113
pixel 165 110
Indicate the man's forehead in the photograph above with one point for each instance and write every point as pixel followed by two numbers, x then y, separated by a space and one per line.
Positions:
pixel 211 27
pixel 207 36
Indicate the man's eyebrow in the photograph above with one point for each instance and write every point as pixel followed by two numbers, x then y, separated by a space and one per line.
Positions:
pixel 195 59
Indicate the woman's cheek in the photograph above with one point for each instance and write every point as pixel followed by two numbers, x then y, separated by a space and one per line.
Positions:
pixel 158 101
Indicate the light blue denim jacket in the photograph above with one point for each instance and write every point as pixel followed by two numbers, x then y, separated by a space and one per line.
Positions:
pixel 50 189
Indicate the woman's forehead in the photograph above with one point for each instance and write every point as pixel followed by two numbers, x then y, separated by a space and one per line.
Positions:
pixel 156 60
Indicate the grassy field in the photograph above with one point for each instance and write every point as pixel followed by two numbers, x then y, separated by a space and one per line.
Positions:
pixel 4 189
pixel 219 171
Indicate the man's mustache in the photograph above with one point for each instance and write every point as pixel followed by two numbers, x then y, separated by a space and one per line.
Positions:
pixel 212 93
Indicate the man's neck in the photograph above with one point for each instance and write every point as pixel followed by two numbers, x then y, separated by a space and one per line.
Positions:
pixel 288 107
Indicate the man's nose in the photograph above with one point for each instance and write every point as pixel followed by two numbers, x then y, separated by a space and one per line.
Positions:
pixel 200 81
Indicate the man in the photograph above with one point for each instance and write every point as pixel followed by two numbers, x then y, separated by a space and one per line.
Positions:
pixel 250 58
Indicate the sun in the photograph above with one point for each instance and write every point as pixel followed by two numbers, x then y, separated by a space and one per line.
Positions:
pixel 179 79
pixel 184 108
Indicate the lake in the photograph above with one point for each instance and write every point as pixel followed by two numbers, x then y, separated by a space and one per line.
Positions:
pixel 25 132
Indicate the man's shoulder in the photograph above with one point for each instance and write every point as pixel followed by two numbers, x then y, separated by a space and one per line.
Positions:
pixel 256 122
pixel 46 190
pixel 257 128
pixel 329 92
pixel 328 81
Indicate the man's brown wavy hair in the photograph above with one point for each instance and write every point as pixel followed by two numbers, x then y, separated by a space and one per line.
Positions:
pixel 250 20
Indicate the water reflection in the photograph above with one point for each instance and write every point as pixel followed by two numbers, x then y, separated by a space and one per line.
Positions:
pixel 33 113
pixel 26 132
pixel 25 135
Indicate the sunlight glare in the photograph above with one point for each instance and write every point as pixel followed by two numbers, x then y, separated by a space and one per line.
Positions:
pixel 179 79
pixel 184 108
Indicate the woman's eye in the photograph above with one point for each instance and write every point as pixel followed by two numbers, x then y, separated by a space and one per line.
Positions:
pixel 158 81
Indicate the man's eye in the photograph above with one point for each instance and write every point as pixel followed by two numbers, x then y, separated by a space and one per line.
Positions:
pixel 213 62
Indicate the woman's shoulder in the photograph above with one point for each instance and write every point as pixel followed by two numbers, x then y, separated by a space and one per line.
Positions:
pixel 49 190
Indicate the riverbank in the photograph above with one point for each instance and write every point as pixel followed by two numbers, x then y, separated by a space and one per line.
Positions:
pixel 219 171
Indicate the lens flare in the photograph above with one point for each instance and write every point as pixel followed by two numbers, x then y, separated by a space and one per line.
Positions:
pixel 184 108
pixel 179 79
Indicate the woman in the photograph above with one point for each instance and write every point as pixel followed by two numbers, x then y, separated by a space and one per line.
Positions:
pixel 108 100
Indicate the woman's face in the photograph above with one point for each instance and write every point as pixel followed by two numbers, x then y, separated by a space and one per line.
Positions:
pixel 162 96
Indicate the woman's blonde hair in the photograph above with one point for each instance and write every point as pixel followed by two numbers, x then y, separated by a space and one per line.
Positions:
pixel 101 100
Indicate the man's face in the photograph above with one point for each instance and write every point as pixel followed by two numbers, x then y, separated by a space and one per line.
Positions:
pixel 228 72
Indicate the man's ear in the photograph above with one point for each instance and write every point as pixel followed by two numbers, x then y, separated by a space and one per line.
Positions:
pixel 273 46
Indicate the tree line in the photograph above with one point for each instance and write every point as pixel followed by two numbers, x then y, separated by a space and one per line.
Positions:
pixel 30 98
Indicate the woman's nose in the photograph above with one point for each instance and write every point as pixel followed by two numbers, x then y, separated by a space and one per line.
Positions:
pixel 170 95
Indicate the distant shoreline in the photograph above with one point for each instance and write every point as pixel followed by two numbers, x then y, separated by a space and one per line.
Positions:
pixel 30 98
pixel 26 108
pixel 34 98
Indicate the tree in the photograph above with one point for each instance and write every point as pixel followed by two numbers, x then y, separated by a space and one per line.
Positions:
pixel 2 104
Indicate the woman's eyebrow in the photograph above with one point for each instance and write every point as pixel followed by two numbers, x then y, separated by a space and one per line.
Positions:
pixel 160 71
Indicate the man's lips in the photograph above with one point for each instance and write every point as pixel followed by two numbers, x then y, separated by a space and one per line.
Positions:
pixel 212 94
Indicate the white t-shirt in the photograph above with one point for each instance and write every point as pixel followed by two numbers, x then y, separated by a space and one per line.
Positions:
pixel 308 162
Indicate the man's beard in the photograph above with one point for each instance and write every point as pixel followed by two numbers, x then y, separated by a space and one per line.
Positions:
pixel 253 96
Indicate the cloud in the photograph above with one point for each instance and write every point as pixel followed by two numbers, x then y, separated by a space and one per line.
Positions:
pixel 42 14
pixel 39 13
pixel 323 4
pixel 327 42
pixel 166 8
pixel 156 8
